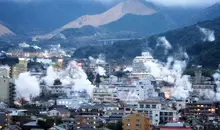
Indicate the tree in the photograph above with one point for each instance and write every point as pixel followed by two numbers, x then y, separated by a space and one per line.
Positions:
pixel 118 125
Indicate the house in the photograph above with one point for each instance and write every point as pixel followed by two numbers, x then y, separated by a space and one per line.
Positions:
pixel 61 112
pixel 173 126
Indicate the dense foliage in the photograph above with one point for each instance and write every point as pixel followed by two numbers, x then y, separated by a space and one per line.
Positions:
pixel 188 39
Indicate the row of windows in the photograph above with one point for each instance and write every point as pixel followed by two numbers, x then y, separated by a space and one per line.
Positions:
pixel 147 106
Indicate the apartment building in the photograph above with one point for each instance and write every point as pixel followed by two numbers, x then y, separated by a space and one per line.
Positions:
pixel 105 94
pixel 159 112
pixel 138 121
pixel 89 116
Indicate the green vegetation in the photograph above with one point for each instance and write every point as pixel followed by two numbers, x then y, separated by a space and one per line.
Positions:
pixel 121 51
pixel 188 39
pixel 115 126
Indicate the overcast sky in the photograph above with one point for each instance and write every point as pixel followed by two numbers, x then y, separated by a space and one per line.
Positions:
pixel 185 3
pixel 172 3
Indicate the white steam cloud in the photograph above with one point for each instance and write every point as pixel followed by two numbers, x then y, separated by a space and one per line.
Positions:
pixel 212 94
pixel 209 35
pixel 171 72
pixel 73 76
pixel 101 71
pixel 27 85
pixel 163 42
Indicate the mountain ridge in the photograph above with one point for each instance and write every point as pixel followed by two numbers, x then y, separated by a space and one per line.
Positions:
pixel 135 7
pixel 5 31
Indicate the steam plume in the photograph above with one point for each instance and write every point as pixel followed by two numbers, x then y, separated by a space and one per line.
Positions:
pixel 163 42
pixel 73 76
pixel 171 72
pixel 27 85
pixel 209 35
pixel 101 71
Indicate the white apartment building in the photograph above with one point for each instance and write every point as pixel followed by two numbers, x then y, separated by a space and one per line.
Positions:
pixel 141 89
pixel 139 68
pixel 159 112
pixel 60 90
pixel 4 85
pixel 105 94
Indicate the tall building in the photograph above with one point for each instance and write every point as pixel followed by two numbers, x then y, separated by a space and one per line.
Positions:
pixel 7 88
pixel 4 85
pixel 137 121
pixel 139 68
pixel 19 68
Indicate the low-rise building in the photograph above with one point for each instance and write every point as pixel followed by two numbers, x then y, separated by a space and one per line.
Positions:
pixel 173 126
pixel 105 94
pixel 61 112
pixel 159 112
pixel 202 107
pixel 89 116
pixel 138 121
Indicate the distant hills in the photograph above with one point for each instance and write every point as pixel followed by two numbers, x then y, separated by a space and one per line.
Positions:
pixel 134 7
pixel 190 39
pixel 36 17
pixel 5 31
pixel 209 13
pixel 132 18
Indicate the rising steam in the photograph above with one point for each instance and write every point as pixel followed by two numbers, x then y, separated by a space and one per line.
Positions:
pixel 163 42
pixel 171 72
pixel 73 76
pixel 208 35
pixel 27 85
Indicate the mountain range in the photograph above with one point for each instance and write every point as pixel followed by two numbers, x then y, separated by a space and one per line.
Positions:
pixel 200 41
pixel 115 16
pixel 5 31
pixel 87 25
pixel 33 17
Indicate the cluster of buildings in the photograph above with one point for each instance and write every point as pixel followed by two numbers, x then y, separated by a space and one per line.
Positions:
pixel 135 98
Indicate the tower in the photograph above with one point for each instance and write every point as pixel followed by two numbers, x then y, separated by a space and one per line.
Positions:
pixel 198 76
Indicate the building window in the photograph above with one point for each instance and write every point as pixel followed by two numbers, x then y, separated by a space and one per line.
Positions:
pixel 137 124
pixel 153 106
pixel 147 106
pixel 137 120
pixel 170 113
pixel 156 115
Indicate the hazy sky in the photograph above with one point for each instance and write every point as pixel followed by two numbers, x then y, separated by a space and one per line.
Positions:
pixel 186 3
